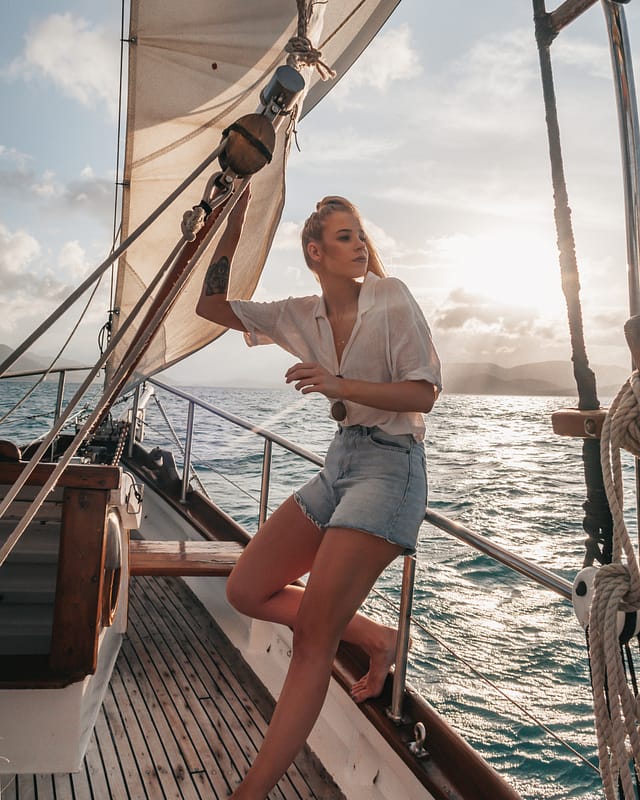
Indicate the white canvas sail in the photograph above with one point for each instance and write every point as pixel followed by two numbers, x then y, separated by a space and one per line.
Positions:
pixel 194 68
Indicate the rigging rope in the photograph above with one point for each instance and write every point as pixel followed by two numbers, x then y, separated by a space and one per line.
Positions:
pixel 616 588
pixel 597 523
pixel 47 371
pixel 300 48
pixel 177 442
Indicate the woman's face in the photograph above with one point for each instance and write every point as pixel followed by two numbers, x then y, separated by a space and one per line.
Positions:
pixel 342 250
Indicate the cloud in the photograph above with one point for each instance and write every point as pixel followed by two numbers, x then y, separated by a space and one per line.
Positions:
pixel 28 288
pixel 288 236
pixel 81 61
pixel 92 195
pixel 35 282
pixel 386 245
pixel 390 57
pixel 18 251
pixel 490 88
pixel 344 145
pixel 16 170
pixel 47 186
pixel 89 193
pixel 463 309
pixel 473 328
pixel 594 59
pixel 26 269
pixel 73 260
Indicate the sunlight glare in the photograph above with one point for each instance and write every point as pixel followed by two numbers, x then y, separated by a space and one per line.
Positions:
pixel 513 268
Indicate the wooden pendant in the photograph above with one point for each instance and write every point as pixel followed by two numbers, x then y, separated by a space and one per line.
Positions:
pixel 338 410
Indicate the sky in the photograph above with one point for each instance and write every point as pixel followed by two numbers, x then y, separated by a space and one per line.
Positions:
pixel 437 134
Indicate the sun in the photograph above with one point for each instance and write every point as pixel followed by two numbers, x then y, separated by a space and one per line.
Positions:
pixel 514 268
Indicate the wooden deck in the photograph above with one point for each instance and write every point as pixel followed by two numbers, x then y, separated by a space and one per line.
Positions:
pixel 182 718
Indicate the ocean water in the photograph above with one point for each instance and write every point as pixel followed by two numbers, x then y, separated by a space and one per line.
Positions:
pixel 494 465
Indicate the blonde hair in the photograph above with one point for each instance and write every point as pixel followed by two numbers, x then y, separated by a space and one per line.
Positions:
pixel 313 228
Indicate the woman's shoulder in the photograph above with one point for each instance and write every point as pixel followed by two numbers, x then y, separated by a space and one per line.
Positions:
pixel 305 303
pixel 391 288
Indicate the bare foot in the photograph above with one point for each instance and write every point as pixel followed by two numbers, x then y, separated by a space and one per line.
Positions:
pixel 381 659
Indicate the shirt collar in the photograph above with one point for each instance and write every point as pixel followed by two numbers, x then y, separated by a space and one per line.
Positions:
pixel 365 300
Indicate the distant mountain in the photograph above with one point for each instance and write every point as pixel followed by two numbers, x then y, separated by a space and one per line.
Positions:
pixel 541 378
pixel 33 362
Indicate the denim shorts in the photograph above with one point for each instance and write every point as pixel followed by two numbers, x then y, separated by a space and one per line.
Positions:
pixel 371 481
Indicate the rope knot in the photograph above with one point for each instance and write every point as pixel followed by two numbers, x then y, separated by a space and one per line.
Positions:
pixel 192 222
pixel 625 420
pixel 617 579
pixel 303 53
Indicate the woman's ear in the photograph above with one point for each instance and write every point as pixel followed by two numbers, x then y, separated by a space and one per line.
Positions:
pixel 313 251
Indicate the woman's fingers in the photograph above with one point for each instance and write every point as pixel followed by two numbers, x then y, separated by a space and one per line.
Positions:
pixel 311 377
pixel 302 370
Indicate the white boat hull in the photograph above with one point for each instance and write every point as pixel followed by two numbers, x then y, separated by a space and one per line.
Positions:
pixel 47 730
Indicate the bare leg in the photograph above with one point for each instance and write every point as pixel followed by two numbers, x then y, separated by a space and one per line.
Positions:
pixel 345 568
pixel 282 551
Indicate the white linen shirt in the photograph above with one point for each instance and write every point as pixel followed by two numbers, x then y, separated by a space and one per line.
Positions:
pixel 390 342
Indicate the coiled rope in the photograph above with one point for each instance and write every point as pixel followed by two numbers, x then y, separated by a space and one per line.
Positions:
pixel 616 588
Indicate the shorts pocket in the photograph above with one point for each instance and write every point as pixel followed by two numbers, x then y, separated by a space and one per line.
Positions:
pixel 386 441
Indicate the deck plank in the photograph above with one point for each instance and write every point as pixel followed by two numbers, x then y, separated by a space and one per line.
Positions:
pixel 182 718
pixel 225 702
pixel 8 787
pixel 62 787
pixel 305 780
pixel 220 749
pixel 187 720
pixel 183 557
pixel 126 759
pixel 149 770
pixel 302 781
pixel 184 758
pixel 110 760
pixel 80 782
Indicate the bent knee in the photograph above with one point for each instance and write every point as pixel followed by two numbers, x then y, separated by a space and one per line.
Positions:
pixel 243 595
pixel 237 595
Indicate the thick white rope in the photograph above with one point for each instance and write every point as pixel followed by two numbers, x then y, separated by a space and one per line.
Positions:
pixel 616 588
pixel 192 221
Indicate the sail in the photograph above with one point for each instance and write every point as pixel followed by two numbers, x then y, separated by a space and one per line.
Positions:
pixel 194 68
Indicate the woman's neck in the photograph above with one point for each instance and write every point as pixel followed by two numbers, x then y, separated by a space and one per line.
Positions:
pixel 340 295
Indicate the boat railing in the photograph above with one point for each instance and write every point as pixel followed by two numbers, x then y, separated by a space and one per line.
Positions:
pixel 61 372
pixel 528 569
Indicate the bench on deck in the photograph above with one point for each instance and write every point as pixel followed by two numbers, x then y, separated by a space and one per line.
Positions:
pixel 147 557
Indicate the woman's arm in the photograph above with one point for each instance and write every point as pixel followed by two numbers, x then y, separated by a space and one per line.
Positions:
pixel 213 304
pixel 401 396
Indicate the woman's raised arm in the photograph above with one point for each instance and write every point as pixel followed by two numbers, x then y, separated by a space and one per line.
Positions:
pixel 213 304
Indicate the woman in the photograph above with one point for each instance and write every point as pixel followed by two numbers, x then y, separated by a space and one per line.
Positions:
pixel 365 345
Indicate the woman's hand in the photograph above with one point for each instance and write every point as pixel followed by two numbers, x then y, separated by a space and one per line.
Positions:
pixel 311 377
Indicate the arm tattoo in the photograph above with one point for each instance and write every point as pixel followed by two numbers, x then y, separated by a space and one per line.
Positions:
pixel 217 278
